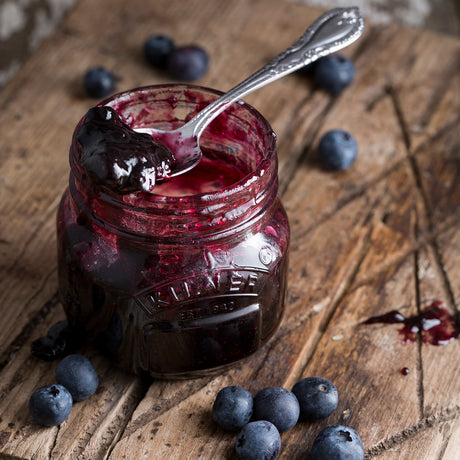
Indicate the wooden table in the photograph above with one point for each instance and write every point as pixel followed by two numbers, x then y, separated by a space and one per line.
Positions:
pixel 383 235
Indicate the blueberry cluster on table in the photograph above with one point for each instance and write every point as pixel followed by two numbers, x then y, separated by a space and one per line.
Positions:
pixel 76 380
pixel 187 63
pixel 259 420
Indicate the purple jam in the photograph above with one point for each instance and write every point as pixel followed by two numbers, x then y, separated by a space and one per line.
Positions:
pixel 114 155
pixel 191 278
pixel 434 324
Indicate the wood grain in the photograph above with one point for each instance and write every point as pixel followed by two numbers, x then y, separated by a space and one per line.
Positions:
pixel 383 235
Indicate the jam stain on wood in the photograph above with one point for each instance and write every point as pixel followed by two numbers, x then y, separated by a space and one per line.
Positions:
pixel 435 324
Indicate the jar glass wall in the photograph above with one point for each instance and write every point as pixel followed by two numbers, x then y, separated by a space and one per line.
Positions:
pixel 189 279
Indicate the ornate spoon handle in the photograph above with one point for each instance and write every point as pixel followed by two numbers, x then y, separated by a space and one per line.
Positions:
pixel 331 32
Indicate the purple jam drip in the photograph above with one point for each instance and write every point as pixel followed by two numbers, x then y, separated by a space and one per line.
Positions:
pixel 435 324
pixel 118 157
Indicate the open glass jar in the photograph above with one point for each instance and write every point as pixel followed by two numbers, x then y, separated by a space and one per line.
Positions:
pixel 189 279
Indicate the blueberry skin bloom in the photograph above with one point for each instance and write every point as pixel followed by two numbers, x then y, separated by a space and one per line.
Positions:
pixel 98 82
pixel 317 397
pixel 259 440
pixel 188 62
pixel 337 442
pixel 277 405
pixel 50 405
pixel 77 374
pixel 232 408
pixel 337 150
pixel 157 49
pixel 334 73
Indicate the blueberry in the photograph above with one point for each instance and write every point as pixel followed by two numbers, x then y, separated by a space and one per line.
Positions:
pixel 98 82
pixel 157 48
pixel 59 341
pixel 337 442
pixel 50 405
pixel 188 62
pixel 277 405
pixel 232 408
pixel 334 73
pixel 337 149
pixel 258 440
pixel 77 374
pixel 317 397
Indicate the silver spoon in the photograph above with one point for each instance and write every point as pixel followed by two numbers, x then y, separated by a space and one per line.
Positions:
pixel 331 32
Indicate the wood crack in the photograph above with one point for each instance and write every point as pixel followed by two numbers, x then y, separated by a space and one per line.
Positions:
pixel 340 293
pixel 310 133
pixel 132 426
pixel 54 442
pixel 428 422
pixel 418 301
pixel 421 189
pixel 347 199
pixel 29 327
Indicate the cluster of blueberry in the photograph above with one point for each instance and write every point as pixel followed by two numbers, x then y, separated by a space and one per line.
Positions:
pixel 76 380
pixel 186 63
pixel 274 410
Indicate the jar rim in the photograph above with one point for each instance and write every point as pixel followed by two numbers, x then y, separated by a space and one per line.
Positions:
pixel 166 216
pixel 205 197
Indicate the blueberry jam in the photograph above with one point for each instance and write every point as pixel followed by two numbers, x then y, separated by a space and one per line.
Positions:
pixel 191 278
pixel 114 155
pixel 434 324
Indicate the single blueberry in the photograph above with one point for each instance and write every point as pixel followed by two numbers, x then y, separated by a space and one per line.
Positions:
pixel 157 48
pixel 338 442
pixel 77 374
pixel 334 73
pixel 337 149
pixel 317 397
pixel 232 408
pixel 188 62
pixel 50 405
pixel 98 82
pixel 259 440
pixel 277 405
pixel 58 342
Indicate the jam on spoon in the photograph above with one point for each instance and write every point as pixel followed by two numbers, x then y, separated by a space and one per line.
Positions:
pixel 114 155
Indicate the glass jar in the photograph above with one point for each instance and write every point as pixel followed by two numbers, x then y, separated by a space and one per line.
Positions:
pixel 189 279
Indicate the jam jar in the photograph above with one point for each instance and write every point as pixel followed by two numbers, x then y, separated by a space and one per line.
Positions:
pixel 190 278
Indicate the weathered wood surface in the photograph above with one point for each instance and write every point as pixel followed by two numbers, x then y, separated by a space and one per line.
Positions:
pixel 384 235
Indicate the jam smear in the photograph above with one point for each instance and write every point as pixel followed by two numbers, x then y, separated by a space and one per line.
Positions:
pixel 116 156
pixel 209 175
pixel 435 324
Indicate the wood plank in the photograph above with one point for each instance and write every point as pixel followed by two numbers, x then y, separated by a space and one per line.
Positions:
pixel 381 235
